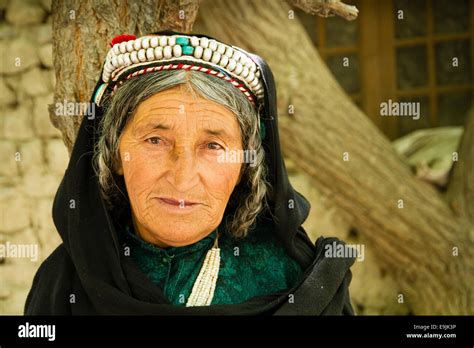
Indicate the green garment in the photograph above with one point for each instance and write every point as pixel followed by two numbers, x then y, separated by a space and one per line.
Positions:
pixel 254 266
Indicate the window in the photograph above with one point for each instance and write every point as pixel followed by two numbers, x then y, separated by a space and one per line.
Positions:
pixel 403 50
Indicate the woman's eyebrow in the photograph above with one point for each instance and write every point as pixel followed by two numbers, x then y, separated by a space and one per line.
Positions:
pixel 161 126
pixel 217 132
pixel 146 126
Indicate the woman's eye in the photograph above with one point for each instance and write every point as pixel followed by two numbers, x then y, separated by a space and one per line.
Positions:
pixel 214 146
pixel 154 140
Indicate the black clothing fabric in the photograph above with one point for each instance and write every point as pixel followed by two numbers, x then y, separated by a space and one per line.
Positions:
pixel 88 274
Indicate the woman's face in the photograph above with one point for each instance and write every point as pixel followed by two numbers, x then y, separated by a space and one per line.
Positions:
pixel 171 159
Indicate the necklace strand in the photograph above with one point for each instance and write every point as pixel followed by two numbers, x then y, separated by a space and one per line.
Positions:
pixel 205 284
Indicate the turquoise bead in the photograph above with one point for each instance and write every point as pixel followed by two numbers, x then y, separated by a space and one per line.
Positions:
pixel 182 41
pixel 188 50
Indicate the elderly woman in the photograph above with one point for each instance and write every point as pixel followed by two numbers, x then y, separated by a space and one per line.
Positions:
pixel 176 199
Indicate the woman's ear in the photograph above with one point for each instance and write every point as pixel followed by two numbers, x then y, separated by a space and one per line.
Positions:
pixel 119 171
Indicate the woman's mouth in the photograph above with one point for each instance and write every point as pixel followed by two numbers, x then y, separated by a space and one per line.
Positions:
pixel 177 205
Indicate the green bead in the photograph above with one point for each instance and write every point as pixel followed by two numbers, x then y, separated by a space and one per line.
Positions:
pixel 182 41
pixel 188 50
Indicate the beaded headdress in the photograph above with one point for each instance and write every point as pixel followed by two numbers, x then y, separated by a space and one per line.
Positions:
pixel 130 56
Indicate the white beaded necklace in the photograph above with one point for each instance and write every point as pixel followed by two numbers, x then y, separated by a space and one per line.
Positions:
pixel 205 284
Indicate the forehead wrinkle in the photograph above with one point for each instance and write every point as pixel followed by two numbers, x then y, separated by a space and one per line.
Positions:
pixel 209 114
pixel 192 101
pixel 202 112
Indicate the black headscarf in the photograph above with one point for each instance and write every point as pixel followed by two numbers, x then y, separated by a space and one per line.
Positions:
pixel 89 274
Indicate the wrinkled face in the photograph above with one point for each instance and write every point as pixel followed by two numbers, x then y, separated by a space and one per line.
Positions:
pixel 172 161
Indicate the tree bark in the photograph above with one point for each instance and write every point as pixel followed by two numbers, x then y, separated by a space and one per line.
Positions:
pixel 405 221
pixel 82 31
pixel 414 243
pixel 460 194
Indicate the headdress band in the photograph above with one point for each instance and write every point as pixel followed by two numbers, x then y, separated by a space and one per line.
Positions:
pixel 130 56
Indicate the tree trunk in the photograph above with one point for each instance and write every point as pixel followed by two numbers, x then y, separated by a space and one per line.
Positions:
pixel 82 31
pixel 404 220
pixel 406 223
pixel 460 193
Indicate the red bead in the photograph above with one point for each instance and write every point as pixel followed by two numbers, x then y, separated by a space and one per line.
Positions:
pixel 122 38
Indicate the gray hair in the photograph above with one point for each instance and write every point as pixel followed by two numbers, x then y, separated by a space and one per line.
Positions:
pixel 249 197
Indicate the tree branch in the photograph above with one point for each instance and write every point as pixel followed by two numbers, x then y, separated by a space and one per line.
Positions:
pixel 326 8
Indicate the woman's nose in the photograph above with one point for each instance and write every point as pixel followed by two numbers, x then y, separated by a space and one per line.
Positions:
pixel 183 174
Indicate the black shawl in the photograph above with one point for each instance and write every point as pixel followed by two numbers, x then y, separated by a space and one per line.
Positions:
pixel 88 273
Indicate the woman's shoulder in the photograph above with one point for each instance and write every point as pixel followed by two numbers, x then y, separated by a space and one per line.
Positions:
pixel 55 272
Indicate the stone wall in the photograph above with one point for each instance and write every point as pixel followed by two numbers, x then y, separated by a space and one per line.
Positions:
pixel 32 155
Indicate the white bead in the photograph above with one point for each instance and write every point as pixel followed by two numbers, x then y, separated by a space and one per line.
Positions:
pixel 134 57
pixel 146 42
pixel 120 59
pixel 204 42
pixel 213 45
pixel 116 49
pixel 224 61
pixel 207 54
pixel 177 51
pixel 123 47
pixel 171 41
pixel 216 57
pixel 130 45
pixel 221 48
pixel 149 54
pixel 253 67
pixel 158 52
pixel 229 52
pixel 110 54
pixel 154 41
pixel 114 61
pixel 137 45
pixel 254 83
pixel 163 41
pixel 108 68
pixel 231 65
pixel 198 52
pixel 126 58
pixel 238 69
pixel 245 72
pixel 194 41
pixel 236 56
pixel 142 55
pixel 167 52
pixel 250 76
